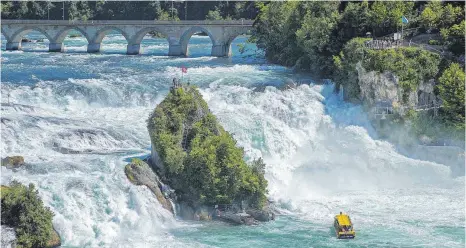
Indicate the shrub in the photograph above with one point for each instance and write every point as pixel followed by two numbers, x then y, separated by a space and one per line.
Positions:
pixel 23 209
pixel 434 42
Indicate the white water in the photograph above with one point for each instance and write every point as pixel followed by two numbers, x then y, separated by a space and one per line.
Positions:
pixel 321 154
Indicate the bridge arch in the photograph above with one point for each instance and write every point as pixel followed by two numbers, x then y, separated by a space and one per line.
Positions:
pixel 184 40
pixel 230 40
pixel 139 36
pixel 63 33
pixel 101 33
pixel 16 37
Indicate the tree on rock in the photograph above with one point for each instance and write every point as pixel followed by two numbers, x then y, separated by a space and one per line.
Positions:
pixel 200 159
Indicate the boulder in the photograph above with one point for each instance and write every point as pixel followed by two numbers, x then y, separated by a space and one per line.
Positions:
pixel 13 162
pixel 237 218
pixel 140 173
pixel 261 215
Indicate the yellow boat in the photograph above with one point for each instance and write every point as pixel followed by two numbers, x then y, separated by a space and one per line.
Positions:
pixel 344 227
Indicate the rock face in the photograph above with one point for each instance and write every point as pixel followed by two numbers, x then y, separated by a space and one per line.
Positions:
pixel 140 173
pixel 378 87
pixel 13 162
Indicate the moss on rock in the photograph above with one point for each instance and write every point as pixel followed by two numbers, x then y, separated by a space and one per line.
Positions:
pixel 13 161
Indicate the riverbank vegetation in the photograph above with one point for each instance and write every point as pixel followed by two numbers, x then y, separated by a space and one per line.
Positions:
pixel 129 10
pixel 201 160
pixel 327 38
pixel 23 210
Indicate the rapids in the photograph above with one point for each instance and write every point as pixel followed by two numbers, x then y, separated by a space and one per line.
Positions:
pixel 78 118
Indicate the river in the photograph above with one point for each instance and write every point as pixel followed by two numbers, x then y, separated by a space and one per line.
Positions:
pixel 77 118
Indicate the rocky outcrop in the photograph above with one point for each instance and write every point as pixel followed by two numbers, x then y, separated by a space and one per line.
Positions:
pixel 140 173
pixel 13 162
pixel 238 218
pixel 376 87
pixel 261 215
pixel 55 240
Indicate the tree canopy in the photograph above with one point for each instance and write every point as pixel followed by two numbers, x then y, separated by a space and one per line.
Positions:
pixel 128 10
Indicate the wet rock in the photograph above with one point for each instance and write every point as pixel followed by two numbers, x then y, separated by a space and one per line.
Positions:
pixel 261 215
pixel 237 218
pixel 140 173
pixel 13 162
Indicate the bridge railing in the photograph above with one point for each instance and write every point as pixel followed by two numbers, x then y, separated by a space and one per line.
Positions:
pixel 130 22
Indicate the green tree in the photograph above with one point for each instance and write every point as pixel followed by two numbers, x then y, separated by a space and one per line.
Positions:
pixel 315 34
pixel 451 15
pixel 214 15
pixel 451 91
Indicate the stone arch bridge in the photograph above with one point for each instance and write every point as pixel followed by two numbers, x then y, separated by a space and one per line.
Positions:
pixel 178 33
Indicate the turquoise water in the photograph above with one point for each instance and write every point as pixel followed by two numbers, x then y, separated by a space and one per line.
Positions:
pixel 78 117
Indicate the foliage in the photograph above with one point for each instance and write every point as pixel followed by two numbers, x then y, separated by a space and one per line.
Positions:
pixel 451 90
pixel 411 65
pixel 454 37
pixel 434 42
pixel 23 209
pixel 214 15
pixel 431 15
pixel 201 160
pixel 79 10
pixel 308 35
pixel 385 16
pixel 345 66
pixel 126 10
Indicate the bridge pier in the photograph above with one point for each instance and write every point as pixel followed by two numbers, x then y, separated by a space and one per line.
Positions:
pixel 93 47
pixel 134 49
pixel 175 50
pixel 13 46
pixel 56 47
pixel 221 50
